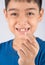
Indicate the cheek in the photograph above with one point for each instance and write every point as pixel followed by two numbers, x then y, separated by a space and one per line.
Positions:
pixel 11 24
pixel 33 23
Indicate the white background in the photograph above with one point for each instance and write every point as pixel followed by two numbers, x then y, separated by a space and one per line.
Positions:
pixel 5 33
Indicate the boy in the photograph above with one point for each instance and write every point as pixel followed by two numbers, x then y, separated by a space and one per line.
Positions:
pixel 23 17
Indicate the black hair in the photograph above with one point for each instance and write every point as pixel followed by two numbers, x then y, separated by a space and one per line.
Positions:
pixel 39 2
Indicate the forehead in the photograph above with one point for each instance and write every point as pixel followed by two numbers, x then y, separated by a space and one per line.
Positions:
pixel 22 0
pixel 22 5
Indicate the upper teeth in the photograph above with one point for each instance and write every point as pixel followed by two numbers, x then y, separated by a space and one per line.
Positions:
pixel 22 29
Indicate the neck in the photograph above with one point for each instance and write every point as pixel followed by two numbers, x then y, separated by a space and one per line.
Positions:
pixel 15 45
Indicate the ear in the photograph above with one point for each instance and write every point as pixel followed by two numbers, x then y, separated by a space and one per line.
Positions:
pixel 41 13
pixel 5 13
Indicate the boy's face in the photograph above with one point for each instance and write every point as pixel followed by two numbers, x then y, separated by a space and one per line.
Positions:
pixel 23 17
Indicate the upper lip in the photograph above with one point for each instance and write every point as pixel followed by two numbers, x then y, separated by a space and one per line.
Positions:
pixel 23 28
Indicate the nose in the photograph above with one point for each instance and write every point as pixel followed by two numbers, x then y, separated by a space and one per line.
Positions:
pixel 22 20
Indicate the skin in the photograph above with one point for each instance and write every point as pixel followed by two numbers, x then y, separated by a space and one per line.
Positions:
pixel 25 44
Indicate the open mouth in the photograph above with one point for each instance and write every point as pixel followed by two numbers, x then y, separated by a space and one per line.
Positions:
pixel 23 30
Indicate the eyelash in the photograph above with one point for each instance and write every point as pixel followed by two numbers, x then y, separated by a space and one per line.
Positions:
pixel 30 13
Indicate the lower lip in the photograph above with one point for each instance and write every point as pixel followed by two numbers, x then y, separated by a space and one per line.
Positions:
pixel 22 32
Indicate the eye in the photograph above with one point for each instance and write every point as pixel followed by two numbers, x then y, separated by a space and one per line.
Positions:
pixel 30 13
pixel 14 14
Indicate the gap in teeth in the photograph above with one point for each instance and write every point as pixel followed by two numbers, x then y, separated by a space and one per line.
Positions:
pixel 16 28
pixel 28 28
pixel 23 29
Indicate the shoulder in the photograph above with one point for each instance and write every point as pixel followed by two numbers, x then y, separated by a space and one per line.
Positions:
pixel 4 45
pixel 41 42
pixel 41 45
pixel 40 59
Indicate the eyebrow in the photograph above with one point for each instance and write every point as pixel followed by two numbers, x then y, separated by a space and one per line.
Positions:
pixel 13 9
pixel 30 9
